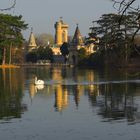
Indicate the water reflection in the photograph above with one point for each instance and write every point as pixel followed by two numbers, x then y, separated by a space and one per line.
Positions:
pixel 61 98
pixel 33 89
pixel 11 93
pixel 114 100
pixel 70 87
pixel 119 102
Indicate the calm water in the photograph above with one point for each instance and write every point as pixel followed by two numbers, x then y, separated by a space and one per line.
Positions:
pixel 74 104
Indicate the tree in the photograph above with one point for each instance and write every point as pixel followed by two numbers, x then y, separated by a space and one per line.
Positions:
pixel 92 41
pixel 108 30
pixel 82 57
pixel 18 54
pixel 44 39
pixel 125 6
pixel 0 56
pixel 65 50
pixel 10 33
pixel 31 57
pixel 115 37
pixel 40 54
pixel 45 53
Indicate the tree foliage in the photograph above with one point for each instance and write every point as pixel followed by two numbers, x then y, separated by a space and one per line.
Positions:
pixel 31 57
pixel 44 39
pixel 115 37
pixel 82 57
pixel 124 7
pixel 10 32
pixel 45 53
pixel 40 54
pixel 64 49
pixel 111 33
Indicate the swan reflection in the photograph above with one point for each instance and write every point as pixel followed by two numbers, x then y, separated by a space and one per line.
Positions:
pixel 33 89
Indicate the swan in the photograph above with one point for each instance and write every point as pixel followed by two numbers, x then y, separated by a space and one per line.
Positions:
pixel 39 87
pixel 38 82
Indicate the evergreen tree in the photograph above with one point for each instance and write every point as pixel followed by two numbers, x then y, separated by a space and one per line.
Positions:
pixel 10 33
pixel 115 37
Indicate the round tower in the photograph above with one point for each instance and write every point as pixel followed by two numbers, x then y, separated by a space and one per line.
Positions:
pixel 65 33
pixel 61 32
pixel 58 33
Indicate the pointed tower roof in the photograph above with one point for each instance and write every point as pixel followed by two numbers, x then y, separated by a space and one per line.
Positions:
pixel 77 38
pixel 32 42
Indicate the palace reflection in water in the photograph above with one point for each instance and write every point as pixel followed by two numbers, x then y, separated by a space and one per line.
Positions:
pixel 114 101
pixel 84 103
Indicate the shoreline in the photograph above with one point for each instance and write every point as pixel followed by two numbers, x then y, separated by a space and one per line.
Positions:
pixel 128 67
pixel 9 66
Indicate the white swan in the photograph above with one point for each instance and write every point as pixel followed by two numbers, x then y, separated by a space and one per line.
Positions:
pixel 39 87
pixel 38 82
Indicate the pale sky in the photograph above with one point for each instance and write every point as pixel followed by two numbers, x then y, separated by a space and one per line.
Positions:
pixel 42 14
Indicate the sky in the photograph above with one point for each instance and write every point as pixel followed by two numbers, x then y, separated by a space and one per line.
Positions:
pixel 42 14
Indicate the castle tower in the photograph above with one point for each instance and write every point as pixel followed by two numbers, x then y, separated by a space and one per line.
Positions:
pixel 32 43
pixel 76 44
pixel 77 38
pixel 61 32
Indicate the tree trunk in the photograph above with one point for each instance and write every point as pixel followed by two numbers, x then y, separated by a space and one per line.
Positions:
pixel 10 54
pixel 4 77
pixel 4 56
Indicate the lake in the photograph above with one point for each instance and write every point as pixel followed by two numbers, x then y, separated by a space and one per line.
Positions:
pixel 74 104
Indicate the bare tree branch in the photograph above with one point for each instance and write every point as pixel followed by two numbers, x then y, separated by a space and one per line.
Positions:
pixel 126 7
pixel 120 5
pixel 123 7
pixel 9 8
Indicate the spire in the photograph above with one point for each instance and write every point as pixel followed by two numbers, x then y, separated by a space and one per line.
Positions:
pixel 31 29
pixel 61 19
pixel 77 38
pixel 32 42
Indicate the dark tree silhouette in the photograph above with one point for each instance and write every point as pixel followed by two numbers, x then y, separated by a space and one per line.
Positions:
pixel 125 6
pixel 65 50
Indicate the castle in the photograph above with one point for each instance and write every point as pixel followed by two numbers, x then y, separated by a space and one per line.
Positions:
pixel 61 36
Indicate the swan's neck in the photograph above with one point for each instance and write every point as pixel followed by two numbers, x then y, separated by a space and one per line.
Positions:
pixel 35 79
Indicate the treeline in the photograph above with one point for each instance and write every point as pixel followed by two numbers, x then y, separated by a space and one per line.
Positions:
pixel 117 45
pixel 41 53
